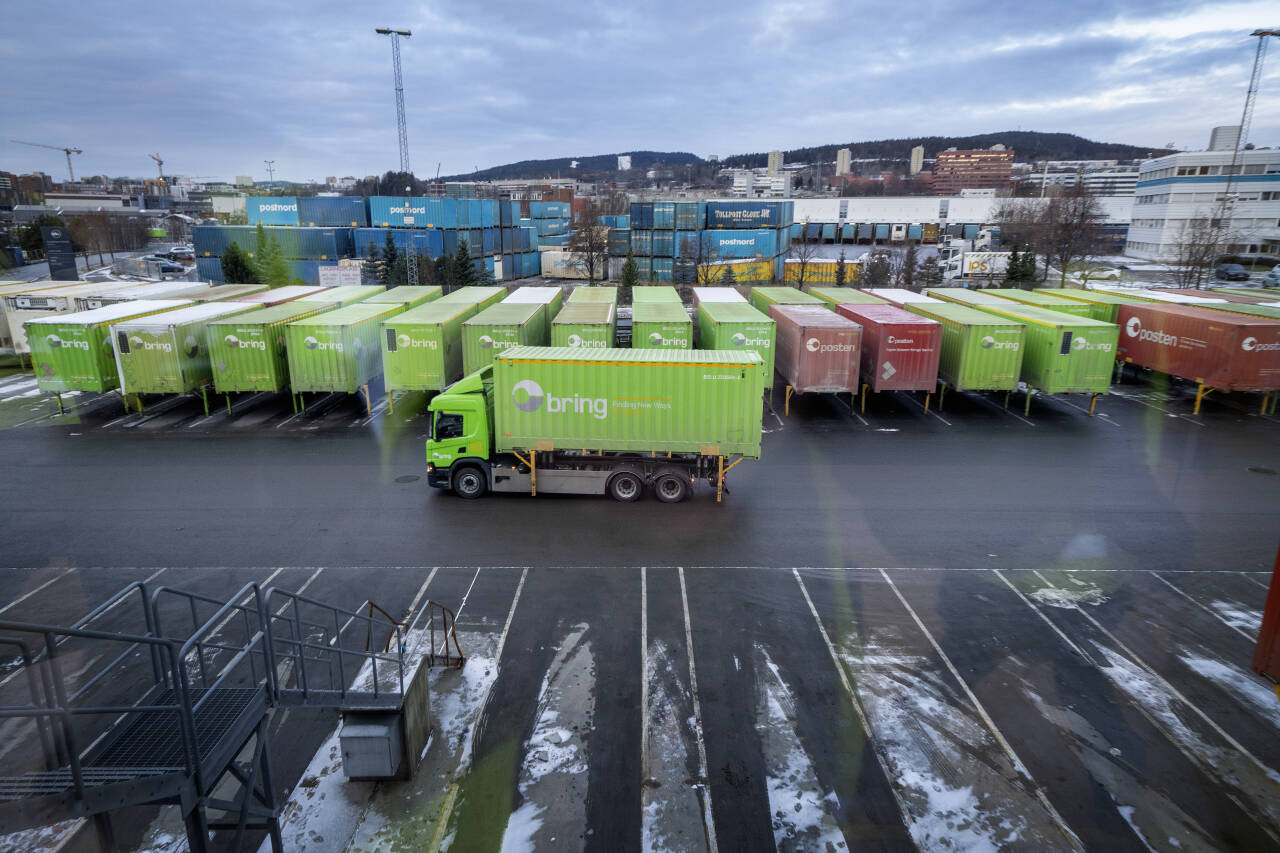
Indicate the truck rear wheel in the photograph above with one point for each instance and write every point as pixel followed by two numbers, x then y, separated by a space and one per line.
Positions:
pixel 469 483
pixel 625 487
pixel 671 488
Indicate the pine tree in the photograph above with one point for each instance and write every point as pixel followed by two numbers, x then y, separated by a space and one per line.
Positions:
pixel 464 272
pixel 1029 271
pixel 390 257
pixel 1013 273
pixel 371 270
pixel 842 273
pixel 236 268
pixel 629 279
pixel 929 272
pixel 908 275
pixel 727 278
pixel 268 262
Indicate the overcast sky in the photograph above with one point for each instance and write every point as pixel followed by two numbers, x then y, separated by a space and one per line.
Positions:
pixel 217 87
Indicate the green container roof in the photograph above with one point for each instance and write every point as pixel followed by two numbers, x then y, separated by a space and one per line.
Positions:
pixel 589 293
pixel 351 291
pixel 734 312
pixel 654 293
pixel 1044 316
pixel 347 315
pixel 1029 297
pixel 472 294
pixel 846 296
pixel 433 312
pixel 1271 312
pixel 658 312
pixel 786 296
pixel 585 313
pixel 964 295
pixel 206 311
pixel 506 314
pixel 631 356
pixel 272 314
pixel 403 294
pixel 537 295
pixel 112 313
pixel 1098 297
pixel 949 312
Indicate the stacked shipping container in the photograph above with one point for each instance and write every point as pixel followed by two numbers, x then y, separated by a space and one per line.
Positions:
pixel 664 232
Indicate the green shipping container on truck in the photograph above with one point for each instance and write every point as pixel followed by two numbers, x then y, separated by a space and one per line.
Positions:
pixel 763 297
pixel 247 351
pixel 1038 299
pixel 500 327
pixel 595 293
pixel 408 296
pixel 1063 354
pixel 660 325
pixel 74 352
pixel 168 353
pixel 337 351
pixel 845 296
pixel 738 326
pixel 1107 305
pixel 642 400
pixel 589 325
pixel 980 351
pixel 655 293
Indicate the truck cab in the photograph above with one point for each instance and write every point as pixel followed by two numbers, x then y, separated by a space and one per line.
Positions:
pixel 461 435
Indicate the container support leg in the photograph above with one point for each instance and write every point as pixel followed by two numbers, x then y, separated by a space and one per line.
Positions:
pixel 1006 398
pixel 1202 391
pixel 62 411
pixel 863 405
pixel 227 397
pixel 391 402
pixel 1026 411
pixel 719 479
pixel 533 473
pixel 204 396
pixel 1093 402
pixel 928 395
pixel 787 406
pixel 942 394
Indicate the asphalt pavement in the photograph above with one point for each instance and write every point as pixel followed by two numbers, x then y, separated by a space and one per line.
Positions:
pixel 903 628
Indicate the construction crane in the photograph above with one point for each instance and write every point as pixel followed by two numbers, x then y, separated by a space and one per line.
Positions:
pixel 63 149
pixel 159 165
pixel 1246 117
pixel 402 128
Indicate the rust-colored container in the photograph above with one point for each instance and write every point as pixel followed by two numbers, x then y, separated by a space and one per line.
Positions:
pixel 1231 352
pixel 817 349
pixel 900 350
pixel 1266 656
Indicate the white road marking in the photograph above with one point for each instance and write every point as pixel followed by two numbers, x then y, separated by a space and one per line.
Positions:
pixel 707 816
pixel 1046 619
pixel 644 676
pixel 1103 416
pixel 1210 611
pixel 914 401
pixel 30 593
pixel 1141 402
pixel 986 718
pixel 1245 575
pixel 1128 652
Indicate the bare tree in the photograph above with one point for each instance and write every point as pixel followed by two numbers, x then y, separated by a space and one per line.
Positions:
pixel 702 253
pixel 1201 239
pixel 589 244
pixel 1070 229
pixel 803 254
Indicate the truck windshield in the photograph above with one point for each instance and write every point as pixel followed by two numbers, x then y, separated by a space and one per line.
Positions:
pixel 448 426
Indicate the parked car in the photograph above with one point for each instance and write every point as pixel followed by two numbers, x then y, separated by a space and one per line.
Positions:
pixel 181 253
pixel 1232 272
pixel 166 265
pixel 1272 277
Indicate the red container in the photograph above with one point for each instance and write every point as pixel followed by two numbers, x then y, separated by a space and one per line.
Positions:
pixel 1266 656
pixel 900 350
pixel 1232 352
pixel 817 350
pixel 1225 297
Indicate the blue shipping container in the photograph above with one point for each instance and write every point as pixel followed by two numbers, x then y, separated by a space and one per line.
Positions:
pixel 644 265
pixel 209 269
pixel 641 242
pixel 748 214
pixel 664 268
pixel 691 215
pixel 641 215
pixel 664 243
pixel 509 212
pixel 271 210
pixel 727 244
pixel 333 211
pixel 664 215
pixel 550 210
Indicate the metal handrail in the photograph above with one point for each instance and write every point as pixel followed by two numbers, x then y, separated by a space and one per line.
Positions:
pixel 448 622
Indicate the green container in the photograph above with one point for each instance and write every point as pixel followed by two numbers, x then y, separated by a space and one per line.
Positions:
pixel 223 292
pixel 965 296
pixel 641 400
pixel 338 350
pixel 1255 292
pixel 168 353
pixel 406 296
pixel 74 352
pixel 1063 354
pixel 763 297
pixel 980 351
pixel 660 325
pixel 598 293
pixel 476 295
pixel 1038 299
pixel 552 297
pixel 500 327
pixel 247 351
pixel 845 296
pixel 584 324
pixel 655 293
pixel 422 348
pixel 737 326
pixel 1107 305
pixel 349 294
pixel 1271 312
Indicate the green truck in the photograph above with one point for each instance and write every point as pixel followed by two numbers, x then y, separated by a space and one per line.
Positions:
pixel 500 327
pixel 980 351
pixel 614 421
pixel 422 348
pixel 590 325
pixel 764 297
pixel 660 325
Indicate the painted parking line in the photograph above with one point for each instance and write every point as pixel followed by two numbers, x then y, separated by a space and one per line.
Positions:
pixel 1005 746
pixel 32 592
pixel 1214 613
pixel 697 718
pixel 1138 399
pixel 1102 416
pixel 1247 576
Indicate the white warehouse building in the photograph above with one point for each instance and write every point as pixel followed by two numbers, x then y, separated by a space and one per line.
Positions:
pixel 1180 188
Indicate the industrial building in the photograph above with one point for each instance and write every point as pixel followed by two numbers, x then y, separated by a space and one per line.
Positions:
pixel 955 170
pixel 1176 190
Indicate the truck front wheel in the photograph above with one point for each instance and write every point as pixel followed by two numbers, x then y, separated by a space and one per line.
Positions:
pixel 469 483
pixel 671 488
pixel 625 487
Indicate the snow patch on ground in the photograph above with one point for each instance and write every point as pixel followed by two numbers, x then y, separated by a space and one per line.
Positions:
pixel 42 839
pixel 1237 616
pixel 1250 690
pixel 323 810
pixel 671 816
pixel 1069 599
pixel 457 709
pixel 523 824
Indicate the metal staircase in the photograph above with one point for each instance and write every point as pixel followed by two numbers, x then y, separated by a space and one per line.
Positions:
pixel 164 696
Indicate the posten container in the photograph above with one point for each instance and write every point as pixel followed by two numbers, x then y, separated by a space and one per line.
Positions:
pixel 817 350
pixel 337 351
pixel 585 325
pixel 845 296
pixel 737 326
pixel 168 353
pixel 660 324
pixel 1217 349
pixel 764 298
pixel 279 295
pixel 655 293
pixel 1107 305
pixel 980 351
pixel 73 352
pixel 900 350
pixel 601 293
pixel 247 351
pixel 1051 302
pixel 408 296
pixel 628 400
pixel 552 297
pixel 500 327
pixel 1062 353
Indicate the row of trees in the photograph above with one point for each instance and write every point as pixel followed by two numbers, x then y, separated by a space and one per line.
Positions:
pixel 390 266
